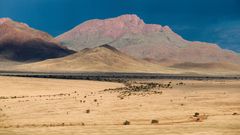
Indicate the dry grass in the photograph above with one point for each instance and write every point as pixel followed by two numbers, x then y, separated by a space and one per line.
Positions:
pixel 52 107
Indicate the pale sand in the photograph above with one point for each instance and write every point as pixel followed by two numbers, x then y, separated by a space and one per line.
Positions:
pixel 31 115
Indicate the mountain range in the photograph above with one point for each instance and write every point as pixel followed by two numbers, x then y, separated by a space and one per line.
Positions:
pixel 131 35
pixel 106 58
pixel 121 44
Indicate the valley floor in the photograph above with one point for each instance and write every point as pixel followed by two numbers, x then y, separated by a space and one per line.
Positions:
pixel 33 106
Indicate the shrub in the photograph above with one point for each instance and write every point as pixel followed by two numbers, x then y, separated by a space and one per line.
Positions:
pixel 154 122
pixel 88 111
pixel 196 114
pixel 126 123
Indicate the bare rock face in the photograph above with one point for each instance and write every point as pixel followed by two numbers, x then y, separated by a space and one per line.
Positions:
pixel 19 42
pixel 131 35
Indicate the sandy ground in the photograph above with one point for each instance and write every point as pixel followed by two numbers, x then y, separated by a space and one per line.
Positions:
pixel 51 107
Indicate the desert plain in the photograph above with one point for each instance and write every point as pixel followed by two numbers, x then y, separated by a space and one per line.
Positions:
pixel 40 106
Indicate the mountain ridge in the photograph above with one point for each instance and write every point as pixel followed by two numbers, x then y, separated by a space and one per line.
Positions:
pixel 103 58
pixel 19 42
pixel 131 35
pixel 106 58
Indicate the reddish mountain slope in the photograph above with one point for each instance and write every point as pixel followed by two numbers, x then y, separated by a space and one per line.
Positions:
pixel 19 42
pixel 131 35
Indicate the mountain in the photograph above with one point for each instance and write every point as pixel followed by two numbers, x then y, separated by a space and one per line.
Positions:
pixel 19 42
pixel 208 67
pixel 103 58
pixel 106 58
pixel 131 35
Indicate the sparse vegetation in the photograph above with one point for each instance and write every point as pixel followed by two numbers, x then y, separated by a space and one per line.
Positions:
pixel 88 111
pixel 199 118
pixel 145 97
pixel 196 114
pixel 235 113
pixel 141 89
pixel 126 123
pixel 154 122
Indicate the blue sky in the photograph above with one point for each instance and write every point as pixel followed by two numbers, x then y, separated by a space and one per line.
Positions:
pixel 216 21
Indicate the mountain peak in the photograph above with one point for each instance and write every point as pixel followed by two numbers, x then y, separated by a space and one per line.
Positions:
pixel 132 18
pixel 109 47
pixel 19 42
pixel 114 27
pixel 129 16
pixel 3 20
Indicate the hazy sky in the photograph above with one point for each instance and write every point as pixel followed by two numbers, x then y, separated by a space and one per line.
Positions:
pixel 216 21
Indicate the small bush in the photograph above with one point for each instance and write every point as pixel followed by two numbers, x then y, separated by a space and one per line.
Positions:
pixel 196 114
pixel 126 123
pixel 235 113
pixel 88 111
pixel 154 122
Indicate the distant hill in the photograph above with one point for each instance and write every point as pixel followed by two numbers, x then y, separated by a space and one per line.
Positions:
pixel 19 42
pixel 103 58
pixel 207 67
pixel 131 35
pixel 106 58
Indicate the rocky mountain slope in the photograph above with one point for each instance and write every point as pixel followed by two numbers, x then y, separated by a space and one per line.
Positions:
pixel 19 42
pixel 131 35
